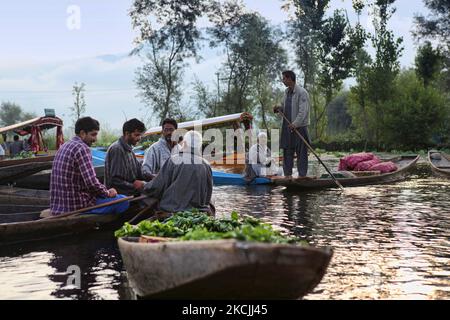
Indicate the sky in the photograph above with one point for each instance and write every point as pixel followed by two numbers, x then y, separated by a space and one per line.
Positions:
pixel 48 45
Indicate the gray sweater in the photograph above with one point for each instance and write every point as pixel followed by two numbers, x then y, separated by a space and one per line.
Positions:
pixel 300 107
pixel 182 184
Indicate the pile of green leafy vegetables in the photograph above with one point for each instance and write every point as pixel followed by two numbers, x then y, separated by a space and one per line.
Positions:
pixel 194 225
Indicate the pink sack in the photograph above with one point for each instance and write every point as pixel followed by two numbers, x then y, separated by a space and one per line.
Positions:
pixel 350 162
pixel 366 165
pixel 384 167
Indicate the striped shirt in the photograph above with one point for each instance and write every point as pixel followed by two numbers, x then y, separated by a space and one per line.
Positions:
pixel 122 168
pixel 73 183
pixel 156 156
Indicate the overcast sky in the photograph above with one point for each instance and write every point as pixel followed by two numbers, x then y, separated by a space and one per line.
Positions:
pixel 43 53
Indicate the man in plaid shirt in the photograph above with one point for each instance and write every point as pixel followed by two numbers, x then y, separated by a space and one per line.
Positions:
pixel 74 184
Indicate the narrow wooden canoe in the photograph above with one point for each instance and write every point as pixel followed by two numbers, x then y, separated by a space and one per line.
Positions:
pixel 404 163
pixel 20 196
pixel 28 227
pixel 14 172
pixel 440 163
pixel 222 269
pixel 13 162
pixel 41 180
pixel 20 212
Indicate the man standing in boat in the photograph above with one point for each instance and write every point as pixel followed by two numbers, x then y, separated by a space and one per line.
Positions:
pixel 185 181
pixel 161 151
pixel 73 182
pixel 296 109
pixel 122 170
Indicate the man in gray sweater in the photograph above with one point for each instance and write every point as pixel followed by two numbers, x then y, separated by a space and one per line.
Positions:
pixel 296 109
pixel 185 179
pixel 122 170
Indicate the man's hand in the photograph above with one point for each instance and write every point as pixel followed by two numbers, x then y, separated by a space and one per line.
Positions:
pixel 291 127
pixel 276 109
pixel 138 185
pixel 112 193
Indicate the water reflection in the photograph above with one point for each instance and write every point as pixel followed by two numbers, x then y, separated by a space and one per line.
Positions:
pixel 390 241
pixel 96 255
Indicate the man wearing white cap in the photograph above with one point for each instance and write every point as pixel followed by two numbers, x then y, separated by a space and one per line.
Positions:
pixel 261 160
pixel 185 180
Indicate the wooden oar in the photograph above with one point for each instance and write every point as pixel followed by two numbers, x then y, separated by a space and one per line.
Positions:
pixel 150 207
pixel 131 199
pixel 312 150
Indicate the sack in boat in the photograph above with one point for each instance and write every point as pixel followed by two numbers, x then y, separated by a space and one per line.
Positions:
pixel 384 167
pixel 350 162
pixel 366 165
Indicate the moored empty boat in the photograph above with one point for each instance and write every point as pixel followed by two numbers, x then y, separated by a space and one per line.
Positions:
pixel 440 163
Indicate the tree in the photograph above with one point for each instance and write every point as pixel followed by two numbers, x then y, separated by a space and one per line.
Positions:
pixel 339 121
pixel 11 113
pixel 385 67
pixel 428 63
pixel 436 27
pixel 415 114
pixel 360 71
pixel 254 59
pixel 305 32
pixel 167 36
pixel 79 104
pixel 336 60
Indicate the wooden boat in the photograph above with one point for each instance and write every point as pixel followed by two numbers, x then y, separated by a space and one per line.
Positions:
pixel 235 118
pixel 222 269
pixel 20 196
pixel 41 180
pixel 34 128
pixel 227 160
pixel 12 173
pixel 404 163
pixel 27 226
pixel 440 163
pixel 7 163
pixel 20 212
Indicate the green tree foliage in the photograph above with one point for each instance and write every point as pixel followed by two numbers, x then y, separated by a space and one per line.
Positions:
pixel 306 34
pixel 336 59
pixel 167 36
pixel 428 63
pixel 11 113
pixel 414 114
pixel 385 66
pixel 436 26
pixel 254 60
pixel 339 121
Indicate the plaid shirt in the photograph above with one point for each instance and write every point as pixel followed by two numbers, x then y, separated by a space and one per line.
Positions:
pixel 73 183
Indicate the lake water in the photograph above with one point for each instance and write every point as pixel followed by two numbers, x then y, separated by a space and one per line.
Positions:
pixel 389 242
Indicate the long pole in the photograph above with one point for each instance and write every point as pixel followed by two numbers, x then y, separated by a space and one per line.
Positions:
pixel 313 152
pixel 131 199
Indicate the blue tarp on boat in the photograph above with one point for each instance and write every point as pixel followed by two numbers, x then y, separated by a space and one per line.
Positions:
pixel 219 177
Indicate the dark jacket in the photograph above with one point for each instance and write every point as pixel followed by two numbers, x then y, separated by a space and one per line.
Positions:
pixel 122 168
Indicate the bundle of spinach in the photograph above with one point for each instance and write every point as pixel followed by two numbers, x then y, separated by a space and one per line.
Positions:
pixel 199 226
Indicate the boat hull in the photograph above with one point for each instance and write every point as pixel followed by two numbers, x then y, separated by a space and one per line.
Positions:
pixel 439 168
pixel 405 163
pixel 222 269
pixel 53 228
